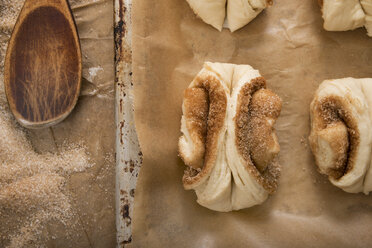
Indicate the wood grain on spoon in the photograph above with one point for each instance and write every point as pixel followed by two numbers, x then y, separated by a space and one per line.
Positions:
pixel 43 64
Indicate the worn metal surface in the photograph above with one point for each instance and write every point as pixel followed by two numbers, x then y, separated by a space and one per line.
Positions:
pixel 128 154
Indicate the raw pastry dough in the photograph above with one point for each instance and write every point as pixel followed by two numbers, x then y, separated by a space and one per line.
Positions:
pixel 228 140
pixel 210 11
pixel 239 12
pixel 341 132
pixel 342 15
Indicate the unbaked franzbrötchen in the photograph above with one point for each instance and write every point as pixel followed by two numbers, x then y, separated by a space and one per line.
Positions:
pixel 341 132
pixel 238 13
pixel 343 15
pixel 228 140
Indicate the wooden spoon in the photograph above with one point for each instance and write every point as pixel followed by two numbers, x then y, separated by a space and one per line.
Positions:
pixel 43 64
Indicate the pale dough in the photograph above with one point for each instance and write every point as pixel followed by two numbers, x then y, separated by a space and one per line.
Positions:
pixel 343 15
pixel 210 11
pixel 237 12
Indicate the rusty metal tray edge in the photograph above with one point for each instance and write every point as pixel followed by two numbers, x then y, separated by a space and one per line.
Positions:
pixel 128 153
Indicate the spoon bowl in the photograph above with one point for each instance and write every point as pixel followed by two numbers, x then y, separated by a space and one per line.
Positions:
pixel 43 64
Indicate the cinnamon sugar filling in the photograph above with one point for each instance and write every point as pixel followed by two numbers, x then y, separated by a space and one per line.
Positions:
pixel 255 139
pixel 206 112
pixel 332 112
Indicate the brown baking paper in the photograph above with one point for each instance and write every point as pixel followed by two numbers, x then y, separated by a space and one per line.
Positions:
pixel 91 192
pixel 292 51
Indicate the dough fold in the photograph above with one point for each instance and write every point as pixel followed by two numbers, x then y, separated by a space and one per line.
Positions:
pixel 341 134
pixel 211 12
pixel 228 141
pixel 237 12
pixel 343 15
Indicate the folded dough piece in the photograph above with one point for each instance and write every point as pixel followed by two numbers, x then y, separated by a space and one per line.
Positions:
pixel 341 132
pixel 242 12
pixel 238 12
pixel 210 11
pixel 343 15
pixel 228 141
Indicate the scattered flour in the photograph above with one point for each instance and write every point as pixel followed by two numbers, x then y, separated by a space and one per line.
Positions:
pixel 93 71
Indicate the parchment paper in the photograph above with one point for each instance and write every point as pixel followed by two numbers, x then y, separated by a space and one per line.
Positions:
pixel 292 51
pixel 92 123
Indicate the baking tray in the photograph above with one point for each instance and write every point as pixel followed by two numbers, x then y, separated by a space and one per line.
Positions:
pixel 128 154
